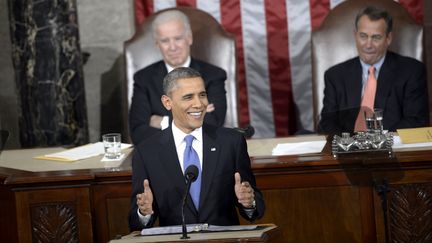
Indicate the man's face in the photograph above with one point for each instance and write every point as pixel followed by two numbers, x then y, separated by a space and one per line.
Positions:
pixel 188 103
pixel 173 42
pixel 371 39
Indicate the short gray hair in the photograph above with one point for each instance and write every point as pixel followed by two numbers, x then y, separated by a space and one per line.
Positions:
pixel 170 80
pixel 375 14
pixel 171 15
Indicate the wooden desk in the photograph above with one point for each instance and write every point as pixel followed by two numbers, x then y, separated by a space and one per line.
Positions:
pixel 311 198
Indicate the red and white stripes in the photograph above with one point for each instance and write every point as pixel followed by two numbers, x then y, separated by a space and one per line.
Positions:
pixel 273 51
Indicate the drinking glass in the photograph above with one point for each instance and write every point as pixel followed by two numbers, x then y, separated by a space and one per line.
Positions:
pixel 378 113
pixel 370 121
pixel 112 145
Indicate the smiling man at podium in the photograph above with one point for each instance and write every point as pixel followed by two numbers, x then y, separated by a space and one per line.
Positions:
pixel 224 179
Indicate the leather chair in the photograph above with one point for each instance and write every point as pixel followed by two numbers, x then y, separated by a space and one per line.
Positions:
pixel 211 43
pixel 334 41
pixel 3 138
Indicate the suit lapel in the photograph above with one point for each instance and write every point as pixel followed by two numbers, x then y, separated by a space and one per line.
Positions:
pixel 195 65
pixel 353 85
pixel 159 75
pixel 171 164
pixel 211 150
pixel 385 80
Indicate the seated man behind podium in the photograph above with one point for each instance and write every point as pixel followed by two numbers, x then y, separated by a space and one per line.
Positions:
pixel 173 35
pixel 400 88
pixel 225 176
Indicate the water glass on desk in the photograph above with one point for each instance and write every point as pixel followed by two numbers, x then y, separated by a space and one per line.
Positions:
pixel 112 145
pixel 374 122
pixel 378 114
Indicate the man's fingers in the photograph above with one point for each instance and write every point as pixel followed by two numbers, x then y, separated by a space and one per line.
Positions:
pixel 246 184
pixel 237 178
pixel 210 108
pixel 146 186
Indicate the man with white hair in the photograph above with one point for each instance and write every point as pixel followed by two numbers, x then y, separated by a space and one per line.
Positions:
pixel 173 36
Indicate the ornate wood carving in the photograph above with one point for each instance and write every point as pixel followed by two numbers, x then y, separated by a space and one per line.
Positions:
pixel 410 213
pixel 54 223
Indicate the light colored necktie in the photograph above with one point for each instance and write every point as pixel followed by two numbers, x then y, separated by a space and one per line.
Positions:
pixel 368 101
pixel 190 157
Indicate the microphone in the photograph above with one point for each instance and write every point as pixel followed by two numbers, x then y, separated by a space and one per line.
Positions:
pixel 191 174
pixel 247 131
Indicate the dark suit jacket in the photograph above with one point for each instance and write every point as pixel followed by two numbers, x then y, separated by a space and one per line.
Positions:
pixel 401 93
pixel 147 92
pixel 224 153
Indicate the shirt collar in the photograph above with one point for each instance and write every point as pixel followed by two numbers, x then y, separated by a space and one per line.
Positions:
pixel 179 135
pixel 186 64
pixel 377 65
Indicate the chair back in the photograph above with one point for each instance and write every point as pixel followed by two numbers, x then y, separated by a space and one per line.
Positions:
pixel 334 41
pixel 211 43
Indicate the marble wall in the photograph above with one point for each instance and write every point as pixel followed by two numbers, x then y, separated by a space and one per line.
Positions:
pixel 103 25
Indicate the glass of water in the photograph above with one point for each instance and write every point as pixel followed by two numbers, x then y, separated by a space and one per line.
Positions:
pixel 370 121
pixel 378 114
pixel 112 145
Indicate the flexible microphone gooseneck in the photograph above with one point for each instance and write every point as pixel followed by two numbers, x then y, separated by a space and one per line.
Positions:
pixel 191 174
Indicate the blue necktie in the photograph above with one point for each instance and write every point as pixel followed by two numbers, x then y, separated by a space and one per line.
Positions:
pixel 190 157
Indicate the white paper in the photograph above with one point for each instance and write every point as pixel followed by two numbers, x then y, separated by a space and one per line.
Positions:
pixel 397 144
pixel 82 152
pixel 299 148
pixel 177 229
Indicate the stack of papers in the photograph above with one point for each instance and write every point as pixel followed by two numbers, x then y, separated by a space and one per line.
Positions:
pixel 415 135
pixel 299 148
pixel 399 144
pixel 177 229
pixel 79 153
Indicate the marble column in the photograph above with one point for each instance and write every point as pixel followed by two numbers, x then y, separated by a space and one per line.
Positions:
pixel 48 72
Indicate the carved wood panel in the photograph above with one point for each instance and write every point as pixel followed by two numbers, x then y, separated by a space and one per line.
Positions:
pixel 54 215
pixel 410 213
pixel 54 223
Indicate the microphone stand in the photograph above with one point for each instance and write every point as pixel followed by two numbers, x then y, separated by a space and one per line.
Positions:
pixel 191 174
pixel 184 230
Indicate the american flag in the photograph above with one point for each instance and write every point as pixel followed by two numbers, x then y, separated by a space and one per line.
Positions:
pixel 274 55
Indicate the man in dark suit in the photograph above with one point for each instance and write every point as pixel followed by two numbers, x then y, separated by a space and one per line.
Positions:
pixel 173 36
pixel 401 89
pixel 159 162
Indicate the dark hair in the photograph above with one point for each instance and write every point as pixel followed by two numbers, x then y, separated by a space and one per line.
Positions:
pixel 374 14
pixel 170 80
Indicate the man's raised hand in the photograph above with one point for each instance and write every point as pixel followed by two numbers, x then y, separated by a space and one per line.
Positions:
pixel 145 199
pixel 243 191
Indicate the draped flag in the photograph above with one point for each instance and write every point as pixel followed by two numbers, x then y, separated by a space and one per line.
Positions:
pixel 274 55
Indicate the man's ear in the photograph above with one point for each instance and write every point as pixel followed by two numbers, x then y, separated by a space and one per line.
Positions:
pixel 389 38
pixel 166 101
pixel 190 39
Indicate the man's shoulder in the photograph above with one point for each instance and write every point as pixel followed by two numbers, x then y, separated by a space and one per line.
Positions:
pixel 150 68
pixel 342 66
pixel 224 133
pixel 151 142
pixel 403 61
pixel 204 67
